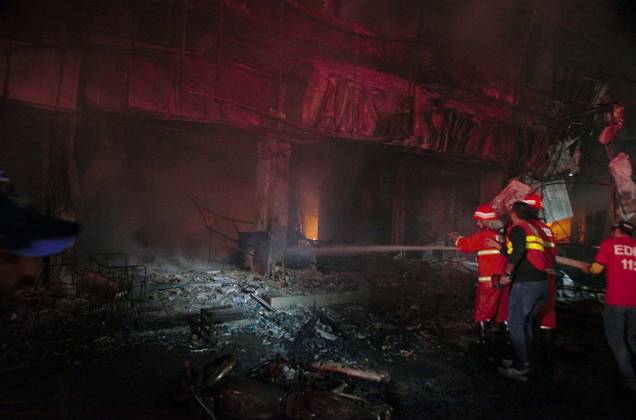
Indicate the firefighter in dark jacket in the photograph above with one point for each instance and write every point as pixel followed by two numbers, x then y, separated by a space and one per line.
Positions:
pixel 547 314
pixel 527 265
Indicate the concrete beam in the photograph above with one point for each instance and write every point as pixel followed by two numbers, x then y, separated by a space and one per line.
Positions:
pixel 325 299
pixel 285 302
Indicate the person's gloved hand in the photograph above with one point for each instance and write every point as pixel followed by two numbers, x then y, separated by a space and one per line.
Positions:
pixel 586 268
pixel 453 236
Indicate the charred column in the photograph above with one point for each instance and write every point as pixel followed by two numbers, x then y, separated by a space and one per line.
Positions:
pixel 399 204
pixel 272 196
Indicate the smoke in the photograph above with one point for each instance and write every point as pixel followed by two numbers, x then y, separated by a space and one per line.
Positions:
pixel 138 181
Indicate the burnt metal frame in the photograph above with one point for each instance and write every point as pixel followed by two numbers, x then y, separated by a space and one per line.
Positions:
pixel 115 267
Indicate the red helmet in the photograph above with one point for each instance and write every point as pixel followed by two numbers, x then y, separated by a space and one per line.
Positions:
pixel 485 212
pixel 534 201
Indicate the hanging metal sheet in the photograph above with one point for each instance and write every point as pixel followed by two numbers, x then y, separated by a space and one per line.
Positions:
pixel 556 201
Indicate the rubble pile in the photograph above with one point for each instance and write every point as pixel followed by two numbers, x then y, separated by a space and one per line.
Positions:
pixel 365 338
pixel 278 388
pixel 413 350
pixel 174 297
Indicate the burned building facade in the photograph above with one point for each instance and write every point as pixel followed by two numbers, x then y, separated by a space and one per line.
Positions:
pixel 266 133
pixel 287 116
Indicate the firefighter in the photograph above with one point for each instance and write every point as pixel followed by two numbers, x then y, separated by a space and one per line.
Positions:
pixel 617 257
pixel 547 313
pixel 491 298
pixel 527 269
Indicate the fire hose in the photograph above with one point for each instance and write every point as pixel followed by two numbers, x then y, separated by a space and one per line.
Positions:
pixel 370 249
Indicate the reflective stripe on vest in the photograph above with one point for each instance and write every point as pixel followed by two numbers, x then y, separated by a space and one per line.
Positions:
pixel 535 252
pixel 532 242
pixel 492 251
pixel 484 279
pixel 549 244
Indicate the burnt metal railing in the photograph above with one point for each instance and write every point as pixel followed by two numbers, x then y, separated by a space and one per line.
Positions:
pixel 115 267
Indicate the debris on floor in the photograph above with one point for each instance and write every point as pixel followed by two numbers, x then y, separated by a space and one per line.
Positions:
pixel 413 350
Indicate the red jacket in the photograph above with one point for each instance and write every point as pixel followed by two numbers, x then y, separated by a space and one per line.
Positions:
pixel 549 242
pixel 491 260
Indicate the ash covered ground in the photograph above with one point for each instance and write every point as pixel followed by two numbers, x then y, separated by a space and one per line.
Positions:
pixel 64 357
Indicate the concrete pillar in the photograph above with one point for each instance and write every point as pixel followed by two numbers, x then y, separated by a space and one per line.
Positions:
pixel 399 203
pixel 60 182
pixel 272 197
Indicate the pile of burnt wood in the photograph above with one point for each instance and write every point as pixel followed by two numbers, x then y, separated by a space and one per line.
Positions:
pixel 279 389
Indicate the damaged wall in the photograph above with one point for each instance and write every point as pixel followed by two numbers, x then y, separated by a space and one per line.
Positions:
pixel 358 185
pixel 137 178
pixel 25 131
pixel 440 199
pixel 143 60
pixel 352 185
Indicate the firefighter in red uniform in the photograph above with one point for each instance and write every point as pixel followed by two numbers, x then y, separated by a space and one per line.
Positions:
pixel 617 257
pixel 491 298
pixel 547 313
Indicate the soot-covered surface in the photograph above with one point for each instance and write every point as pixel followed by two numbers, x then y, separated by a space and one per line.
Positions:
pixel 131 367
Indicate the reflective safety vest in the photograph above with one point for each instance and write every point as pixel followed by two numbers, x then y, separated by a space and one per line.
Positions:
pixel 549 243
pixel 535 248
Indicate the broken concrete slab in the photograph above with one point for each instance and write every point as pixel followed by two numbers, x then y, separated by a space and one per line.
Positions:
pixel 285 302
pixel 262 302
pixel 326 299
